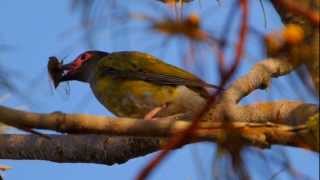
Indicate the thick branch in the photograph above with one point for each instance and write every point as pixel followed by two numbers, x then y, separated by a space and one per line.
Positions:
pixel 117 150
pixel 76 148
pixel 261 134
pixel 277 111
pixel 89 124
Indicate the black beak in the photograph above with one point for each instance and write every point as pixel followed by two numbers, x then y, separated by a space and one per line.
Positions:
pixel 66 67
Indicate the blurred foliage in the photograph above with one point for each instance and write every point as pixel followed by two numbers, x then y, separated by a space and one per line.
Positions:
pixel 293 43
pixel 313 126
pixel 188 27
pixel 306 51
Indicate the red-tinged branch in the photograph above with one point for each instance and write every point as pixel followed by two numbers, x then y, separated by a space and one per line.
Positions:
pixel 242 38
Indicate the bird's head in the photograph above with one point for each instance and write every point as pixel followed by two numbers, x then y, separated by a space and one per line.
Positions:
pixel 82 67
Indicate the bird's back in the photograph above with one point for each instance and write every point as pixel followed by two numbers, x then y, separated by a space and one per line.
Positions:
pixel 152 69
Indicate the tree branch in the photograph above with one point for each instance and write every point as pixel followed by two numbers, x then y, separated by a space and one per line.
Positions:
pixel 259 77
pixel 116 150
pixel 76 148
pixel 89 124
pixel 257 134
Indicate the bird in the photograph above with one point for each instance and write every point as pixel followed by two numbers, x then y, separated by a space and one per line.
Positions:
pixel 135 84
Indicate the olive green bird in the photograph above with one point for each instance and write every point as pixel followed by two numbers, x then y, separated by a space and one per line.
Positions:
pixel 137 85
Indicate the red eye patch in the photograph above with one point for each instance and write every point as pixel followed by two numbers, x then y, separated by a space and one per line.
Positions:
pixel 81 59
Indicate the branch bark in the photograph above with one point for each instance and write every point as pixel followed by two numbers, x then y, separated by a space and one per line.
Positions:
pixel 259 77
pixel 89 124
pixel 116 150
pixel 76 148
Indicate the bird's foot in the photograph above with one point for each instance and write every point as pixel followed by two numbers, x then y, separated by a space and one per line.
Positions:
pixel 151 115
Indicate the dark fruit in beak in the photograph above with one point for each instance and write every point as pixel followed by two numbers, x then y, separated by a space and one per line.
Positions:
pixel 58 71
pixel 55 70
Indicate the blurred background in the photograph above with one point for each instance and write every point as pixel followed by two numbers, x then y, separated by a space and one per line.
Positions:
pixel 31 31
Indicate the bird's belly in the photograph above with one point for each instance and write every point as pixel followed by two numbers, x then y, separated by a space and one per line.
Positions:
pixel 136 98
pixel 130 98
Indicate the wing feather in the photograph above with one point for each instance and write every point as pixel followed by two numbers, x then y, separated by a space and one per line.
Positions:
pixel 141 66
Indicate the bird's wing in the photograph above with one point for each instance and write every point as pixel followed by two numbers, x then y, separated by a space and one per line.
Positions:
pixel 142 66
pixel 163 79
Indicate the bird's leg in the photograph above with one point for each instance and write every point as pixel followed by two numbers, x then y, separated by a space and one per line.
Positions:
pixel 151 115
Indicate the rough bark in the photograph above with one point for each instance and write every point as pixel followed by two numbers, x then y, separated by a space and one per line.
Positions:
pixel 76 148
